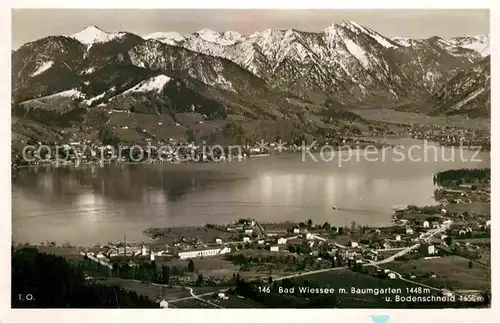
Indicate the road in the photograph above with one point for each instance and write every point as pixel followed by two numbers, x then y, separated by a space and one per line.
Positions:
pixel 399 254
pixel 416 283
pixel 201 299
pixel 428 236
pixel 195 296
pixel 389 249
pixel 308 273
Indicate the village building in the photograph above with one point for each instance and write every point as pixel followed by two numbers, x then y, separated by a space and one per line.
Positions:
pixel 425 224
pixel 427 249
pixel 409 230
pixel 218 241
pixel 447 293
pixel 246 239
pixel 354 244
pixel 372 254
pixel 350 254
pixel 163 304
pixel 282 241
pixel 197 253
pixel 274 248
pixel 222 296
pixel 398 237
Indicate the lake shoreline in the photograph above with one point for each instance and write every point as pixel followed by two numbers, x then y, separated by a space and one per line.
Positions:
pixel 59 205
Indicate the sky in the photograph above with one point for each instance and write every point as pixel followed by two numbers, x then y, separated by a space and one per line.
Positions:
pixel 32 24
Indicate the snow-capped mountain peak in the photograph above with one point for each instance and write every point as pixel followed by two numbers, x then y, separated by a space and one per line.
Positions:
pixel 92 35
pixel 233 35
pixel 169 37
pixel 173 35
pixel 339 29
pixel 478 43
pixel 357 28
pixel 402 41
pixel 224 39
pixel 352 25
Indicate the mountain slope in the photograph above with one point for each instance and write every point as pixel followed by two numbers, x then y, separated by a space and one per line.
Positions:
pixel 200 81
pixel 479 43
pixel 46 66
pixel 468 93
pixel 347 61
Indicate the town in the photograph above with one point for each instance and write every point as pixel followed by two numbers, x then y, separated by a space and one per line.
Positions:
pixel 443 248
pixel 80 151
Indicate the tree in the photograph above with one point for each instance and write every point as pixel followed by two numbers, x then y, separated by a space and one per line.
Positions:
pixel 270 280
pixel 175 271
pixel 191 265
pixel 353 225
pixel 326 225
pixel 107 136
pixel 165 274
pixel 199 282
pixel 66 289
pixel 309 223
pixel 191 137
pixel 470 264
pixel 234 133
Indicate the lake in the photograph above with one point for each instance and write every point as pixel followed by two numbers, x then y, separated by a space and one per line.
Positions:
pixel 95 204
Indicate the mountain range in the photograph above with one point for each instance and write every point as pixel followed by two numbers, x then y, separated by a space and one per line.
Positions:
pixel 269 75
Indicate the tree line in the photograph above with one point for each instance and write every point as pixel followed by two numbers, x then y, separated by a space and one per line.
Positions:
pixel 42 280
pixel 463 176
pixel 147 272
pixel 64 119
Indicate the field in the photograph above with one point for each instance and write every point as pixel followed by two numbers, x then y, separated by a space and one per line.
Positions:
pixel 208 266
pixel 344 280
pixel 191 303
pixel 410 117
pixel 452 272
pixel 154 291
pixel 234 301
pixel 149 290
